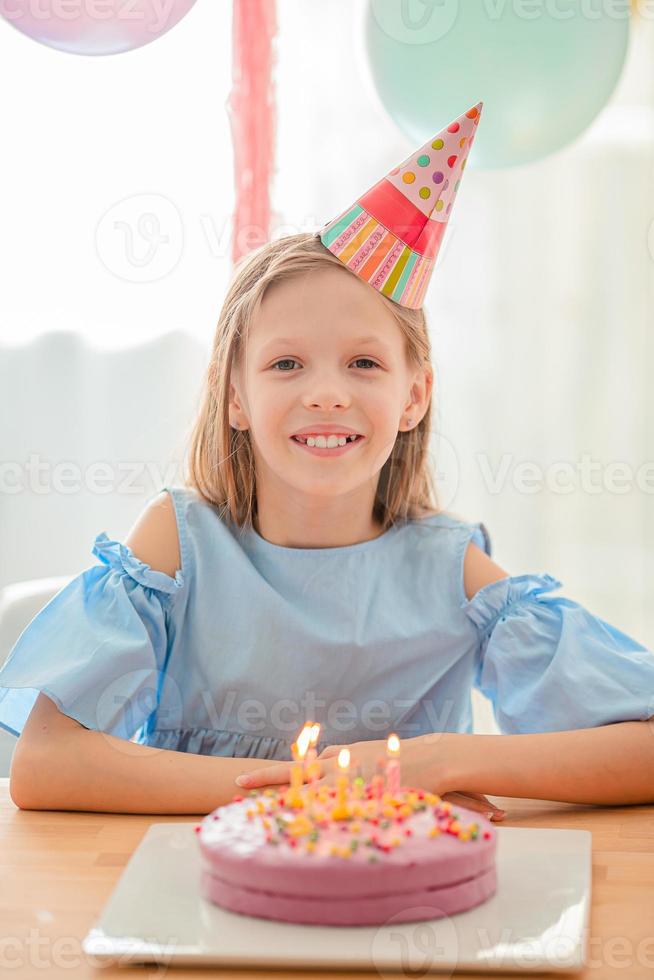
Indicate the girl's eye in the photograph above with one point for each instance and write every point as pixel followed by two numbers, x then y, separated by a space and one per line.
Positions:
pixel 285 360
pixel 291 360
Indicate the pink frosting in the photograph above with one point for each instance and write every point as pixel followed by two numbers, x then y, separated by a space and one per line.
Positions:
pixel 412 906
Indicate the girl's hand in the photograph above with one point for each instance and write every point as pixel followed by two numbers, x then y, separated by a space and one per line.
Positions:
pixel 366 755
pixel 477 802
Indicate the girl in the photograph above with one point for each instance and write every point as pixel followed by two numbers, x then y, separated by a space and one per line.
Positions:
pixel 305 572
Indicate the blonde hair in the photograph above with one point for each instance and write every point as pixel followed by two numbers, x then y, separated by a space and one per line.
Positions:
pixel 221 464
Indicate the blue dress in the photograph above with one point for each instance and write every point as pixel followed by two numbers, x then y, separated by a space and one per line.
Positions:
pixel 251 639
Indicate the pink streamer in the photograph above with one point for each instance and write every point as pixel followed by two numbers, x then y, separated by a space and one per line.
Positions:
pixel 251 108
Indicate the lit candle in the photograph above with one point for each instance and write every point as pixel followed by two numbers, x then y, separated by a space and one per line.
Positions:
pixel 393 765
pixel 314 732
pixel 341 809
pixel 299 750
pixel 303 743
pixel 377 784
pixel 312 764
pixel 359 783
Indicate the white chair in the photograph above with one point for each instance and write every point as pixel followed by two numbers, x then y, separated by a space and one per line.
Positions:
pixel 483 719
pixel 19 604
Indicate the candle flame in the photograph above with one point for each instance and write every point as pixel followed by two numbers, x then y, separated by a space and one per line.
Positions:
pixel 315 732
pixel 393 745
pixel 303 741
pixel 343 758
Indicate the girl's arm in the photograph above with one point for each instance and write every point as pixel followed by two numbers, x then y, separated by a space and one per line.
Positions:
pixel 60 765
pixel 609 765
pixel 606 764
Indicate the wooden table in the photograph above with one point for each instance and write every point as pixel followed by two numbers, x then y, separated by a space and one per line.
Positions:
pixel 58 868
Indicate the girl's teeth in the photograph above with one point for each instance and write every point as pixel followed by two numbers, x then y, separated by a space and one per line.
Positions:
pixel 327 442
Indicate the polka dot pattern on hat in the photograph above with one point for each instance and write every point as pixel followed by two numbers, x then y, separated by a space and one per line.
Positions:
pixel 421 177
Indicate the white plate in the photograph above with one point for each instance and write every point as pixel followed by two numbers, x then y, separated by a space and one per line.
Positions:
pixel 536 921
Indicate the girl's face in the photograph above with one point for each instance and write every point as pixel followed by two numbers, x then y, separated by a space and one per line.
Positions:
pixel 324 350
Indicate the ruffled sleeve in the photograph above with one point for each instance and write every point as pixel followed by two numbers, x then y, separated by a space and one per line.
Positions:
pixel 548 664
pixel 98 648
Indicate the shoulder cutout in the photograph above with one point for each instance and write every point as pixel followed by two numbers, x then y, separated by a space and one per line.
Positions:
pixel 479 570
pixel 154 538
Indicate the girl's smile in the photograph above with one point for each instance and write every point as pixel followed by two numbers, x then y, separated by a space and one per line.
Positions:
pixel 328 450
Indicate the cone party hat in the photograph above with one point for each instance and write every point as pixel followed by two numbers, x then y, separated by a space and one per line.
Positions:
pixel 391 236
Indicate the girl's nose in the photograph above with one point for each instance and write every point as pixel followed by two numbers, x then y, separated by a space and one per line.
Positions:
pixel 327 395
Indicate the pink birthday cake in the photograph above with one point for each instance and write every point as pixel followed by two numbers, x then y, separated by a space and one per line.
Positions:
pixel 405 857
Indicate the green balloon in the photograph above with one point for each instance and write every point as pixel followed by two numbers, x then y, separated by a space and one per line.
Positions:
pixel 542 68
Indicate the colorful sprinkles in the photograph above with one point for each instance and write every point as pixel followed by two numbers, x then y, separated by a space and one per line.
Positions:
pixel 372 823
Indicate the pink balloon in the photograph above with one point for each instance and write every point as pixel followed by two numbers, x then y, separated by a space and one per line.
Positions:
pixel 94 26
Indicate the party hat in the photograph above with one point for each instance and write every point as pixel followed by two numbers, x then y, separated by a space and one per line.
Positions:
pixel 391 236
